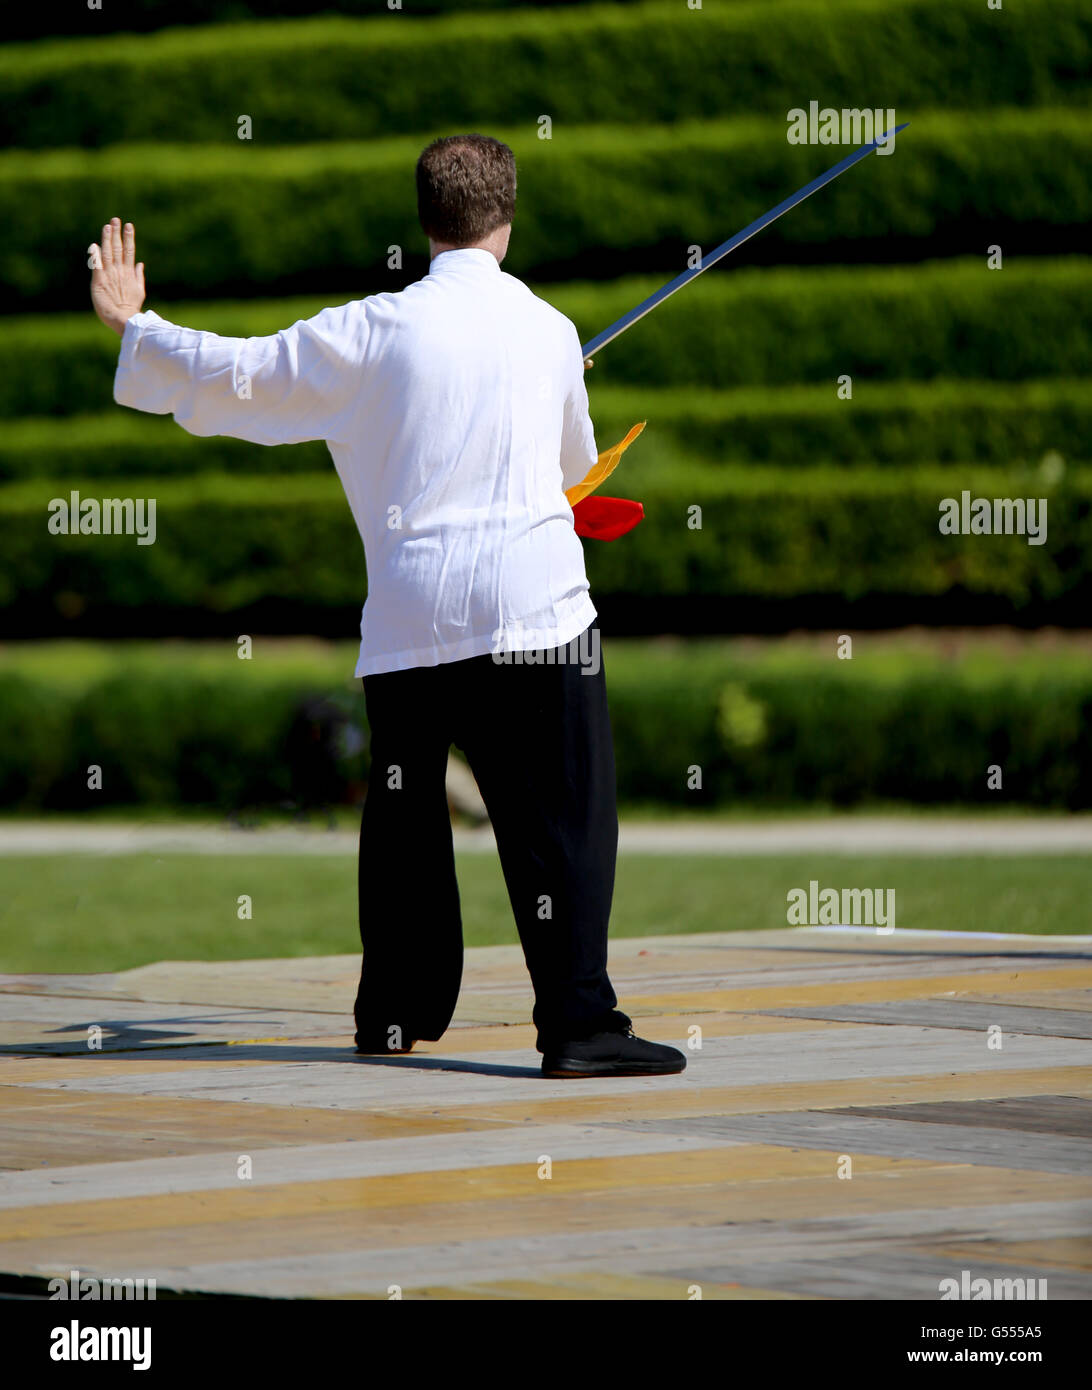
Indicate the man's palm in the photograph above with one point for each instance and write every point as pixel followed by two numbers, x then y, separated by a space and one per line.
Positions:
pixel 117 281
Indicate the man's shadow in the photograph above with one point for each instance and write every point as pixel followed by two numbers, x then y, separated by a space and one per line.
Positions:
pixel 430 1063
pixel 123 1042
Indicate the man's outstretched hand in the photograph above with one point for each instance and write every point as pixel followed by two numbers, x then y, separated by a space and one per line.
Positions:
pixel 117 284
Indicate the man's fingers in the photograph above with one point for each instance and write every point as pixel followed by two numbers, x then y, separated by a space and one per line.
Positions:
pixel 115 233
pixel 107 248
pixel 128 242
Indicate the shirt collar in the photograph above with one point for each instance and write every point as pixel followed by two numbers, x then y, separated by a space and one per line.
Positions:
pixel 464 256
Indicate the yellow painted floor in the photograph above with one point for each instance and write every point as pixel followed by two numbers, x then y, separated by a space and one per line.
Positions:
pixel 861 1117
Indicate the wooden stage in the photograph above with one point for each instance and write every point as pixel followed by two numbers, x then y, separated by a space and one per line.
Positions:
pixel 822 1053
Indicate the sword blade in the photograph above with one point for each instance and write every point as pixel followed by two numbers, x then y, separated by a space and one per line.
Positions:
pixel 608 335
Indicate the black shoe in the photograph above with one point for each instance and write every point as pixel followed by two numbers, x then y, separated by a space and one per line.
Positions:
pixel 378 1046
pixel 612 1054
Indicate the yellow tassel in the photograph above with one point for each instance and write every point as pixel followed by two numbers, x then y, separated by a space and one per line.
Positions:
pixel 603 467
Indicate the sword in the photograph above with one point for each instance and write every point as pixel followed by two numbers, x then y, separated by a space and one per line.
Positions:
pixel 608 335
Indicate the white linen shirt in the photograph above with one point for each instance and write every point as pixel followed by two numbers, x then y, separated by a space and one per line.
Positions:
pixel 456 415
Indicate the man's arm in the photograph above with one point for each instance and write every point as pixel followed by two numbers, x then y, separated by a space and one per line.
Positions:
pixel 299 384
pixel 578 451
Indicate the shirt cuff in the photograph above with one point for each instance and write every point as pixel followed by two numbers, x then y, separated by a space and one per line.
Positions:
pixel 129 388
pixel 132 334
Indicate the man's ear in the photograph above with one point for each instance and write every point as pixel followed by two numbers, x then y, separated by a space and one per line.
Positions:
pixel 507 231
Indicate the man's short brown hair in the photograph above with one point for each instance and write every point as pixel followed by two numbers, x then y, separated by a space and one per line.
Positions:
pixel 466 188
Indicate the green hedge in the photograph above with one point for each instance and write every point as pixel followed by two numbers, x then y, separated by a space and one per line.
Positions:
pixel 339 79
pixel 731 328
pixel 785 533
pixel 125 443
pixel 769 533
pixel 774 723
pixel 776 727
pixel 222 543
pixel 238 220
pixel 894 423
pixel 890 423
pixel 163 736
pixel 794 325
pixel 144 15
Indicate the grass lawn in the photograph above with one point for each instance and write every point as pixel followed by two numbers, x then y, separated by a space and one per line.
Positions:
pixel 77 913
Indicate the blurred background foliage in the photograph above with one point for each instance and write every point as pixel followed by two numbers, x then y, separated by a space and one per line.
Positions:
pixel 818 514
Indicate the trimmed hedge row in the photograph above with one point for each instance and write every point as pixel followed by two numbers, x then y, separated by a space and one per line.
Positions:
pixel 952 319
pixel 794 325
pixel 894 423
pixel 140 16
pixel 777 723
pixel 312 217
pixel 586 65
pixel 813 729
pixel 127 444
pixel 783 533
pixel 770 533
pixel 885 423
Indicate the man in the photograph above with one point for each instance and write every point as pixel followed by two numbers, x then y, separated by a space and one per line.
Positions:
pixel 456 416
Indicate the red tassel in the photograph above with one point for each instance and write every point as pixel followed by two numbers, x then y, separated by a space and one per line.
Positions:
pixel 606 518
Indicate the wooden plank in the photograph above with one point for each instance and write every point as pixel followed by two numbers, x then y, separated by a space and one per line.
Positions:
pixel 92 1130
pixel 814 1057
pixel 777 1095
pixel 332 1271
pixel 593 1287
pixel 1045 1021
pixel 1042 1114
pixel 605 1177
pixel 312 1222
pixel 476 1147
pixel 379 1135
pixel 1072 1000
pixel 36 1025
pixel 32 1071
pixel 854 1133
pixel 423 1170
pixel 664 1247
pixel 1063 1252
pixel 20 1069
pixel 1023 979
pixel 893 1274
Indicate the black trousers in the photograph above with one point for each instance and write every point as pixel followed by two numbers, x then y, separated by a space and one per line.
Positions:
pixel 537 736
